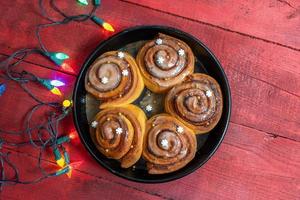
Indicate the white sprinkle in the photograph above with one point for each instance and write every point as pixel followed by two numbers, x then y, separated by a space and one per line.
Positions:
pixel 159 41
pixel 179 129
pixel 181 52
pixel 208 93
pixel 94 124
pixel 164 143
pixel 149 108
pixel 183 151
pixel 121 54
pixel 104 80
pixel 125 72
pixel 160 60
pixel 119 130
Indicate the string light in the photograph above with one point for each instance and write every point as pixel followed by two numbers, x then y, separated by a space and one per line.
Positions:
pixel 102 23
pixel 83 2
pixel 53 118
pixel 47 84
pixel 60 161
pixel 67 103
pixel 62 171
pixel 2 88
pixel 62 140
pixel 57 57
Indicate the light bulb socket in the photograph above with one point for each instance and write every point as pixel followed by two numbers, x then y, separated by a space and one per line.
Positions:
pixel 97 20
pixel 97 2
pixel 57 154
pixel 62 140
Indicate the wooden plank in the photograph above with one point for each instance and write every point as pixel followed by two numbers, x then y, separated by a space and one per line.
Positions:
pixel 249 165
pixel 77 41
pixel 273 20
pixel 81 186
pixel 276 81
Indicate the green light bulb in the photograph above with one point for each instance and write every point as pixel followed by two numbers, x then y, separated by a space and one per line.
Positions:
pixel 61 56
pixel 83 2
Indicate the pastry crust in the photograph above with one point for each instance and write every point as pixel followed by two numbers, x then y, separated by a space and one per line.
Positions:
pixel 114 78
pixel 197 102
pixel 168 144
pixel 119 133
pixel 165 62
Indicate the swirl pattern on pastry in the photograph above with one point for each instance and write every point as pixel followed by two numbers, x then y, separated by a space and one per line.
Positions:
pixel 118 133
pixel 164 62
pixel 169 145
pixel 197 102
pixel 114 78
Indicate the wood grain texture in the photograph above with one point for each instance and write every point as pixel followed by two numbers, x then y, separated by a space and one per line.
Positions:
pixel 272 76
pixel 249 165
pixel 81 186
pixel 260 156
pixel 275 21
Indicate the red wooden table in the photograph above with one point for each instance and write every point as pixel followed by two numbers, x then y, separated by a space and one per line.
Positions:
pixel 257 42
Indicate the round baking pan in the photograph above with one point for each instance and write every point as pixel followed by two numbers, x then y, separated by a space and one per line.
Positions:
pixel 206 63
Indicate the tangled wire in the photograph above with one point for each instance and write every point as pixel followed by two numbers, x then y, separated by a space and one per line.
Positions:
pixel 45 135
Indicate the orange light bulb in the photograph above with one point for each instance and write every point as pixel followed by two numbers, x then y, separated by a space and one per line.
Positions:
pixel 66 67
pixel 72 135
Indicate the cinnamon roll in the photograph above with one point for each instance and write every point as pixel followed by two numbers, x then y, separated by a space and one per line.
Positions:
pixel 197 102
pixel 168 144
pixel 165 62
pixel 118 133
pixel 114 78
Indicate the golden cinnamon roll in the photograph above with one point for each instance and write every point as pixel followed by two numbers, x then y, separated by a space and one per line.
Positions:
pixel 168 144
pixel 115 79
pixel 118 133
pixel 164 62
pixel 197 102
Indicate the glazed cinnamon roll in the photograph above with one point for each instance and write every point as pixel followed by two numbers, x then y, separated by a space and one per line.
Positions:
pixel 164 62
pixel 114 78
pixel 118 133
pixel 168 144
pixel 197 102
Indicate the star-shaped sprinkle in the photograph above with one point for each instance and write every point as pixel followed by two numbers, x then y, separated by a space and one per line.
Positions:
pixel 94 124
pixel 208 93
pixel 104 80
pixel 164 143
pixel 121 54
pixel 125 72
pixel 119 130
pixel 179 129
pixel 159 41
pixel 82 100
pixel 181 52
pixel 160 60
pixel 149 108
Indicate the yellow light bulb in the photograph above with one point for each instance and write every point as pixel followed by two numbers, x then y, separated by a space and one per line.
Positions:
pixel 67 103
pixel 56 91
pixel 61 162
pixel 108 27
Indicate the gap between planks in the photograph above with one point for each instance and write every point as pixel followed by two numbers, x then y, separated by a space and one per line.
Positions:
pixel 274 135
pixel 215 26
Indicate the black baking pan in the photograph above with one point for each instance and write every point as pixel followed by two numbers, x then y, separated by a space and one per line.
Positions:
pixel 206 62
